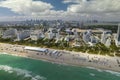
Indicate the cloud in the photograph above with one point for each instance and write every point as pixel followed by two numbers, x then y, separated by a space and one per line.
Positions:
pixel 95 6
pixel 75 1
pixel 95 9
pixel 75 10
pixel 26 7
pixel 32 8
pixel 72 1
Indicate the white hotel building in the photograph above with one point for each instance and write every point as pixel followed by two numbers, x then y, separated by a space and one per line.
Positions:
pixel 36 34
pixel 53 33
pixel 11 33
pixel 21 35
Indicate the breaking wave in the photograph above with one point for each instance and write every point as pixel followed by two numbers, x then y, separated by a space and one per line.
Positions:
pixel 8 54
pixel 92 74
pixel 99 70
pixel 113 72
pixel 21 72
pixel 108 71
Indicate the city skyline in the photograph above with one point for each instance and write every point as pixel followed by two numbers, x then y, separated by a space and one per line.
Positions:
pixel 107 10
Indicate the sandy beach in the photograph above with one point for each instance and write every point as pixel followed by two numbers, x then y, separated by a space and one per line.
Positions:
pixel 65 57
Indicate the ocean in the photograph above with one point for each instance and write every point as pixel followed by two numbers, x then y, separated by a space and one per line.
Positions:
pixel 19 68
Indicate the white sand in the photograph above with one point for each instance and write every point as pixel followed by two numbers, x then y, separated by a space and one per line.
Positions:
pixel 68 57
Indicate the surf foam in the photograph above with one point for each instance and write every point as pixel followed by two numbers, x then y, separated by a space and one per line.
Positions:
pixel 108 71
pixel 92 74
pixel 113 72
pixel 25 73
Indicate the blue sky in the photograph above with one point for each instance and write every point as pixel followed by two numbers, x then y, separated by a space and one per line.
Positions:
pixel 58 5
pixel 6 12
pixel 60 9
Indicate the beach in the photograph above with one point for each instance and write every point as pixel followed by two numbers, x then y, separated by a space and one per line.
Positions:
pixel 64 57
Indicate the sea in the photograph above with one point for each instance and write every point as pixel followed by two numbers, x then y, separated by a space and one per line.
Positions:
pixel 19 68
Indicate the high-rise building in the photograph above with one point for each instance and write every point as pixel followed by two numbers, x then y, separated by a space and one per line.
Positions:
pixel 118 33
pixel 105 35
pixel 36 34
pixel 108 42
pixel 11 33
pixel 117 41
pixel 21 35
pixel 86 36
pixel 53 33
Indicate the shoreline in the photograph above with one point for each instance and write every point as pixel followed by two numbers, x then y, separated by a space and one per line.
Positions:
pixel 68 58
pixel 83 66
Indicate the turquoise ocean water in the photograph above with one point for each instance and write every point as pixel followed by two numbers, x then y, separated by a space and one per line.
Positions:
pixel 18 68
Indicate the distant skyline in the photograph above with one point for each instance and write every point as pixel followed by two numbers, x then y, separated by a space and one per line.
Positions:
pixel 106 10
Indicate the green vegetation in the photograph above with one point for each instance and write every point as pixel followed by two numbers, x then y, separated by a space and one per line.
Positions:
pixel 109 27
pixel 64 45
pixel 15 27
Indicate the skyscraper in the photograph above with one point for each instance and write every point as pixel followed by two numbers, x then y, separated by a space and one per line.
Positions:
pixel 118 33
pixel 117 41
pixel 103 37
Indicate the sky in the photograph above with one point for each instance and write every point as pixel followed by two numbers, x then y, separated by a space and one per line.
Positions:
pixel 106 10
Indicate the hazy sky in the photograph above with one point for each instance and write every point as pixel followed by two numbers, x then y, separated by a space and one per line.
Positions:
pixel 60 9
